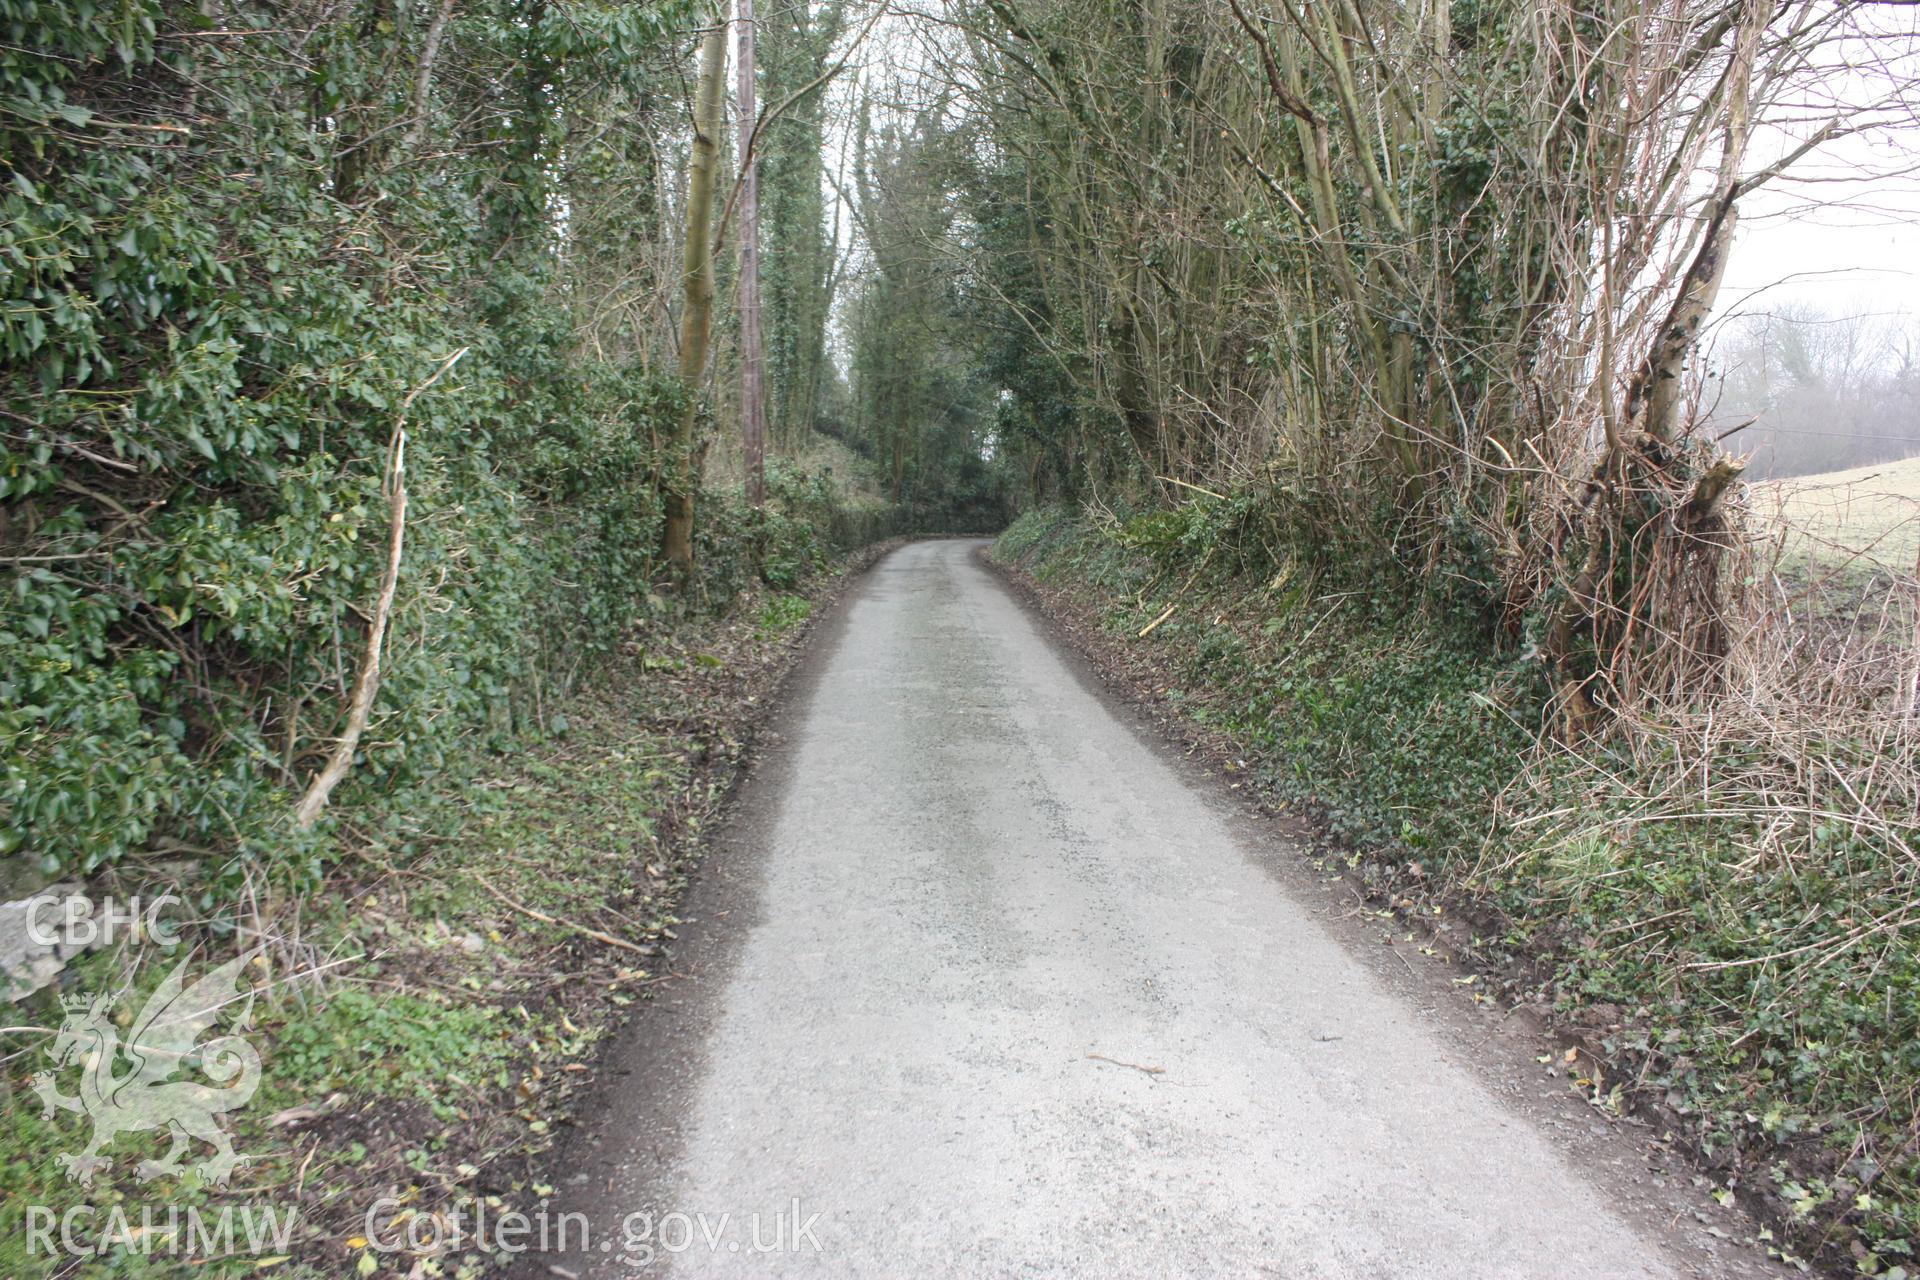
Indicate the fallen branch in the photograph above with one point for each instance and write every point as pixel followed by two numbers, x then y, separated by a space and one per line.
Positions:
pixel 367 683
pixel 556 921
pixel 1164 615
pixel 1196 488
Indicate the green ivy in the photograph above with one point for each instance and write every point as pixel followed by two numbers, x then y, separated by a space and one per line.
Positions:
pixel 221 287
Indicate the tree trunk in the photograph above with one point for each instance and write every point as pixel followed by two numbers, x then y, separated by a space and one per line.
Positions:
pixel 696 323
pixel 423 77
pixel 753 351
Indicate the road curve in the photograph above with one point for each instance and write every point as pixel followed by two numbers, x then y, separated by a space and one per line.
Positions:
pixel 1011 996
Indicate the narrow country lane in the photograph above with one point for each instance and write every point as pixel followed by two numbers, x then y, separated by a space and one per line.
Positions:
pixel 508 771
pixel 1010 995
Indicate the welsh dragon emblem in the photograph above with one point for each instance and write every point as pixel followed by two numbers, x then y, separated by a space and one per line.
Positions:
pixel 129 1087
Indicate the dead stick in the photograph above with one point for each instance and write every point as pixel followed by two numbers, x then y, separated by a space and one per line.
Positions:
pixel 1164 615
pixel 544 918
pixel 1913 678
pixel 367 683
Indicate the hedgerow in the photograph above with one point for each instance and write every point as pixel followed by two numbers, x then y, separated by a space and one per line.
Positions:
pixel 228 272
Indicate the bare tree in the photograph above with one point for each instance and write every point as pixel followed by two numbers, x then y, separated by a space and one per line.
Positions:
pixel 682 470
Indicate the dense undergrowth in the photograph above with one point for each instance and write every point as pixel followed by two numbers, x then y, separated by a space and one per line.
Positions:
pixel 237 258
pixel 1755 1003
pixel 427 1019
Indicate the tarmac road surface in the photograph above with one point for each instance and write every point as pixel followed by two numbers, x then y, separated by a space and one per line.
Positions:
pixel 987 984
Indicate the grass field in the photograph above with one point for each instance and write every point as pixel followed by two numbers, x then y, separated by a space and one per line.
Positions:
pixel 1870 512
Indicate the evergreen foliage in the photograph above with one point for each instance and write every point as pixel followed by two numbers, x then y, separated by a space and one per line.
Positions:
pixel 238 244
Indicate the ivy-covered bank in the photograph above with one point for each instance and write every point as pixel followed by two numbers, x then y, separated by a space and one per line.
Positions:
pixel 247 256
pixel 1735 993
pixel 429 1023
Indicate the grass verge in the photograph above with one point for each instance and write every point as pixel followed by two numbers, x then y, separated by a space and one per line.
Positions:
pixel 1735 969
pixel 426 1021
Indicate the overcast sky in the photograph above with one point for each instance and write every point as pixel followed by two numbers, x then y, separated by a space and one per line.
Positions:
pixel 1836 245
pixel 1841 230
